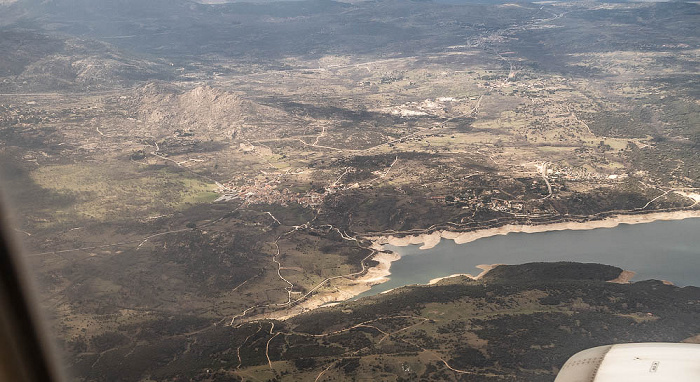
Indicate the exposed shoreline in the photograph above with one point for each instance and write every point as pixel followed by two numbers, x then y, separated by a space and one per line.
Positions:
pixel 374 275
pixel 485 268
pixel 429 241
pixel 623 278
pixel 381 272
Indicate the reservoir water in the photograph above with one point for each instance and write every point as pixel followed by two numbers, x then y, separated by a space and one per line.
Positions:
pixel 662 250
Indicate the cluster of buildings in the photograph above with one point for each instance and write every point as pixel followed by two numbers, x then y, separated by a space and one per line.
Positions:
pixel 484 199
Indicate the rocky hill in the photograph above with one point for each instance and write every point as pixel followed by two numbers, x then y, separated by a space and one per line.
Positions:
pixel 205 112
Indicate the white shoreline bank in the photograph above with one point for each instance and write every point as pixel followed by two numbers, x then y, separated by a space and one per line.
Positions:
pixel 485 268
pixel 381 272
pixel 431 240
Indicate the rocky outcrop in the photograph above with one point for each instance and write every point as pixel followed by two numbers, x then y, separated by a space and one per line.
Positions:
pixel 206 112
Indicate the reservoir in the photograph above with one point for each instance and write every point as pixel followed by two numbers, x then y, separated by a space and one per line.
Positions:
pixel 662 250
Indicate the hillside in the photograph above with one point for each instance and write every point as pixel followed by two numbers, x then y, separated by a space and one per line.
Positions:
pixel 519 323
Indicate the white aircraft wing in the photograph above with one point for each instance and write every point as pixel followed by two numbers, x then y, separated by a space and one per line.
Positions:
pixel 638 362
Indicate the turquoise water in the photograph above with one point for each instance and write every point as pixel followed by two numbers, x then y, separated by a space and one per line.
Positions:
pixel 663 250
